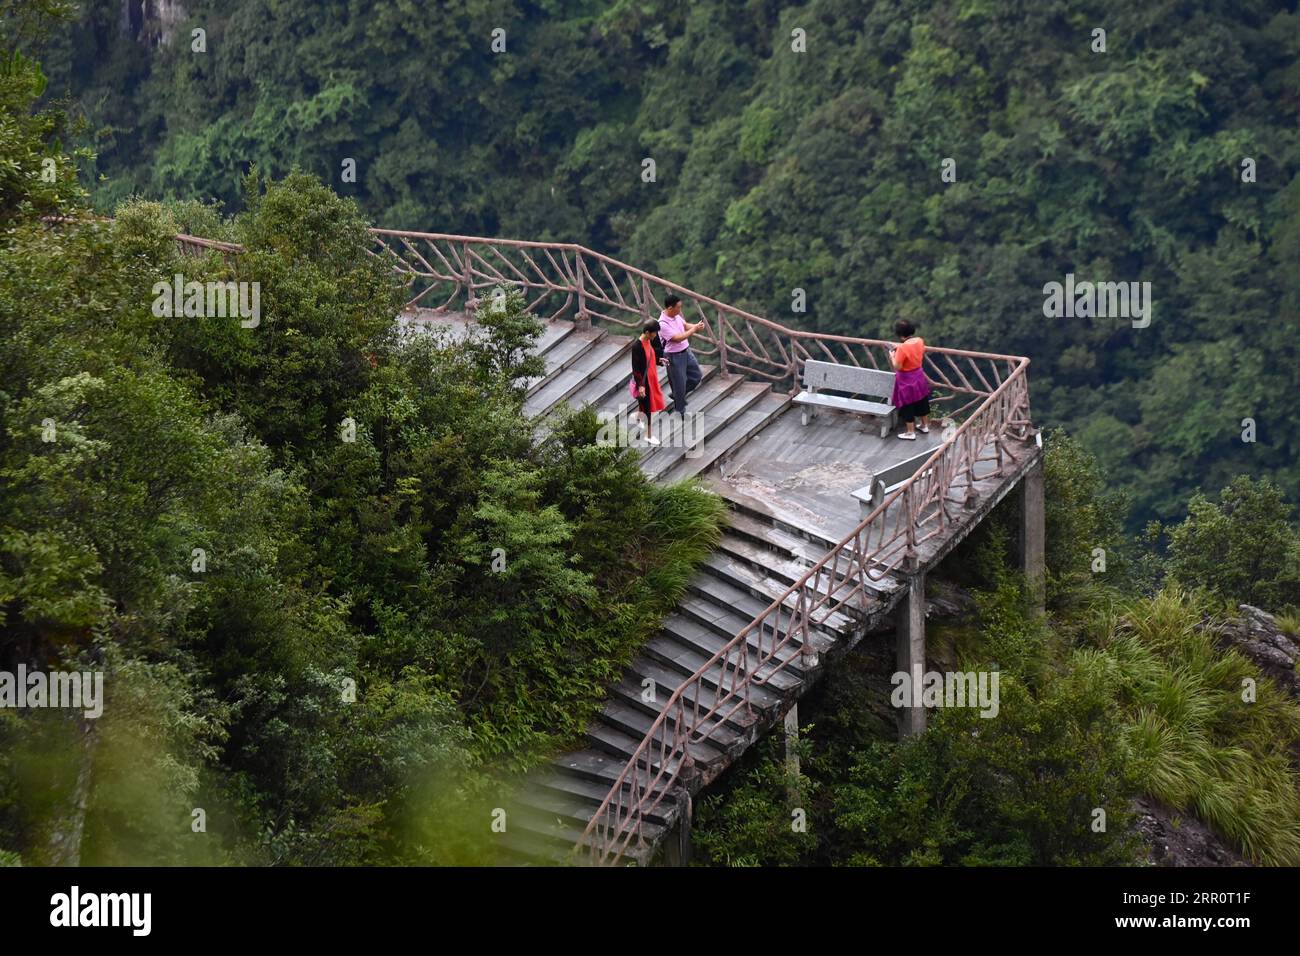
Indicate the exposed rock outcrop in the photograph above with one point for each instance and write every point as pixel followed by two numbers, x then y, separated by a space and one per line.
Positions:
pixel 151 22
pixel 1179 839
pixel 1256 635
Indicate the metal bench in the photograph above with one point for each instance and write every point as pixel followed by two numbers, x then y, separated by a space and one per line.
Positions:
pixel 850 379
pixel 888 480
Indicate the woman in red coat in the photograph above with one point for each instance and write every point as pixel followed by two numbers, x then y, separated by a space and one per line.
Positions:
pixel 647 355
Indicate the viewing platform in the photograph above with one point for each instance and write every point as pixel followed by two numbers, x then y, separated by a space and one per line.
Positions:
pixel 833 526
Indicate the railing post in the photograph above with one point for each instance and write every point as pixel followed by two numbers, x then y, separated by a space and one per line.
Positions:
pixel 684 738
pixel 722 343
pixel 967 450
pixel 467 277
pixel 807 653
pixel 911 516
pixel 583 318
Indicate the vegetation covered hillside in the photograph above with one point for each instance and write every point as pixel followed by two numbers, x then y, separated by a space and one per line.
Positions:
pixel 800 147
pixel 344 590
pixel 337 585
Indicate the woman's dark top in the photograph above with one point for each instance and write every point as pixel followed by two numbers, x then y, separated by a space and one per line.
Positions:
pixel 638 358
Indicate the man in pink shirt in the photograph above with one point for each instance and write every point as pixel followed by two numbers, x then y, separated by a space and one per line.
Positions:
pixel 683 368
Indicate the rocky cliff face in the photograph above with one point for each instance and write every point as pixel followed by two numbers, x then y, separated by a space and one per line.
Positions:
pixel 1256 635
pixel 151 22
pixel 1171 838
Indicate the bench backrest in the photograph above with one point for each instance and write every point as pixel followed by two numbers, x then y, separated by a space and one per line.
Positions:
pixel 903 470
pixel 847 378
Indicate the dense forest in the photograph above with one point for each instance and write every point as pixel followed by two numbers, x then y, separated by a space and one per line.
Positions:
pixel 329 641
pixel 345 592
pixel 810 160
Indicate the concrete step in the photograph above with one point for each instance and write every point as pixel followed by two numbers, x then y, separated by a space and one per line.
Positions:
pixel 522 845
pixel 605 388
pixel 718 411
pixel 684 641
pixel 670 652
pixel 552 334
pixel 635 721
pixel 599 767
pixel 729 575
pixel 712 388
pixel 629 691
pixel 623 402
pixel 710 393
pixel 669 678
pixel 751 420
pixel 759 568
pixel 561 355
pixel 818 540
pixel 619 733
pixel 719 605
pixel 773 562
pixel 764 535
pixel 592 794
pixel 569 814
pixel 545 832
pixel 602 354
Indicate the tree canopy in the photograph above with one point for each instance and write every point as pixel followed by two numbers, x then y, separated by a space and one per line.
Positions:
pixel 802 148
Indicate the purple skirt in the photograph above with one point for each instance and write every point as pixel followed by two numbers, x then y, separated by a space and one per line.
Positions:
pixel 909 387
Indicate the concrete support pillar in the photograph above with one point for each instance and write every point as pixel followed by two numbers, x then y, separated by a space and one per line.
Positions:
pixel 911 652
pixel 791 733
pixel 1033 537
pixel 677 848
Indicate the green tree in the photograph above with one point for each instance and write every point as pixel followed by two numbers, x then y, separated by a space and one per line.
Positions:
pixel 1244 548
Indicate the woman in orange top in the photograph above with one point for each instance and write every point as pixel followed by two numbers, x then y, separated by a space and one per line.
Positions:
pixel 911 388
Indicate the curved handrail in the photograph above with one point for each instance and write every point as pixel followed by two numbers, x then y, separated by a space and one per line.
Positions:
pixel 604 287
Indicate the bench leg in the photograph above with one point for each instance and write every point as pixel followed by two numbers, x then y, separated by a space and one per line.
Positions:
pixel 891 422
pixel 804 416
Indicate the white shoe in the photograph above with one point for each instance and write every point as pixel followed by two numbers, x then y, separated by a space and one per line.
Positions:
pixel 651 440
pixel 922 429
pixel 907 436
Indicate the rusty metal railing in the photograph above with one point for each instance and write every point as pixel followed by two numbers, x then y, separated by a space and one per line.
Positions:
pixel 187 245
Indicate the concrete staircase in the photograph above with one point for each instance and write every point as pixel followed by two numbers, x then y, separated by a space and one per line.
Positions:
pixel 591 368
pixel 754 564
pixel 759 557
pixel 757 560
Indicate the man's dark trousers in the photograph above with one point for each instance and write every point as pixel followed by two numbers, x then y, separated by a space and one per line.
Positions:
pixel 683 374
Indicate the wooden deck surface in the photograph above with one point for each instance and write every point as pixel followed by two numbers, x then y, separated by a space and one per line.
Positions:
pixel 807 473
